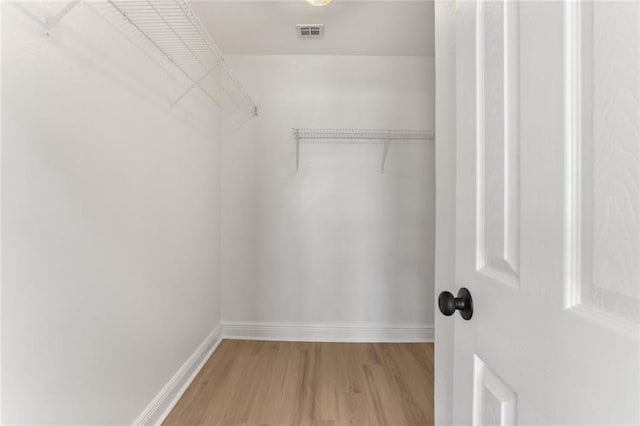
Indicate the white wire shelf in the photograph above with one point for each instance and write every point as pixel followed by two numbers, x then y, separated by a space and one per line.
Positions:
pixel 380 135
pixel 172 35
pixel 385 137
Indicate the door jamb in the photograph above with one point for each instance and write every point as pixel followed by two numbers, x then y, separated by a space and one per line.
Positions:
pixel 445 158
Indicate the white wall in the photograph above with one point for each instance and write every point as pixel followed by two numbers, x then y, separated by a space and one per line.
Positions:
pixel 338 242
pixel 110 205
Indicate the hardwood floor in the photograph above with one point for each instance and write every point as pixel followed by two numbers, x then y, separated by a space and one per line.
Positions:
pixel 320 384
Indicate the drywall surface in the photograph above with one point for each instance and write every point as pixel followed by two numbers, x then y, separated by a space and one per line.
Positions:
pixel 337 242
pixel 110 204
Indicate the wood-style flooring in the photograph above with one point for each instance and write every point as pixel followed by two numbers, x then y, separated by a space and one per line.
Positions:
pixel 303 384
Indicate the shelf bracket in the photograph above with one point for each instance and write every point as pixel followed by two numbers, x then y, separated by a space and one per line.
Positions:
pixel 297 151
pixel 50 23
pixel 385 150
pixel 193 86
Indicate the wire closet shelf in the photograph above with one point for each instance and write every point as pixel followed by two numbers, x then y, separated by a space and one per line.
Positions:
pixel 365 135
pixel 385 137
pixel 170 33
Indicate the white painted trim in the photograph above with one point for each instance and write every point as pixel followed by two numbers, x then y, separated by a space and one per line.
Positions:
pixel 168 397
pixel 1 186
pixel 573 142
pixel 445 247
pixel 328 332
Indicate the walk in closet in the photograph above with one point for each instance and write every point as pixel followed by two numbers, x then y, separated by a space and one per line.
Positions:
pixel 176 173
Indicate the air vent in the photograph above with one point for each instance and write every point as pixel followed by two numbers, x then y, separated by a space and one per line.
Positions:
pixel 307 31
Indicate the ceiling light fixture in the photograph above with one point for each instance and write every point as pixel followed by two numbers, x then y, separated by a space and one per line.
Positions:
pixel 319 2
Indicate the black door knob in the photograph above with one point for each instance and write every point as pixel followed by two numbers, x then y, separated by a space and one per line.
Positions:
pixel 463 303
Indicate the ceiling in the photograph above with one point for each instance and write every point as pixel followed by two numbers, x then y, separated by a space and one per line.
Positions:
pixel 352 27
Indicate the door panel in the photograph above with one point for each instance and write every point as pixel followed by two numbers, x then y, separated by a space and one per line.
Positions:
pixel 494 402
pixel 498 240
pixel 548 212
pixel 605 208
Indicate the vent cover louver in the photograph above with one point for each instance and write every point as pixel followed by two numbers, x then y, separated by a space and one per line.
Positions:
pixel 307 31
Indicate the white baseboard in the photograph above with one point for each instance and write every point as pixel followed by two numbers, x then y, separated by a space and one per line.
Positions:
pixel 163 403
pixel 328 332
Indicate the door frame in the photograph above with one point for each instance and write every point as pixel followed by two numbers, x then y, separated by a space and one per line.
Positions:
pixel 445 246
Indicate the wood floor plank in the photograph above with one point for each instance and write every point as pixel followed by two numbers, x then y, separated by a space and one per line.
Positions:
pixel 255 374
pixel 311 384
pixel 354 410
pixel 206 395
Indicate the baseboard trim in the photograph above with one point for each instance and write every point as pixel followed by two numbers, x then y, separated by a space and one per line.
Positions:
pixel 328 332
pixel 168 397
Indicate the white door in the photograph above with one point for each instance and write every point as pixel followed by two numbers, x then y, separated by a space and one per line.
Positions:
pixel 548 212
